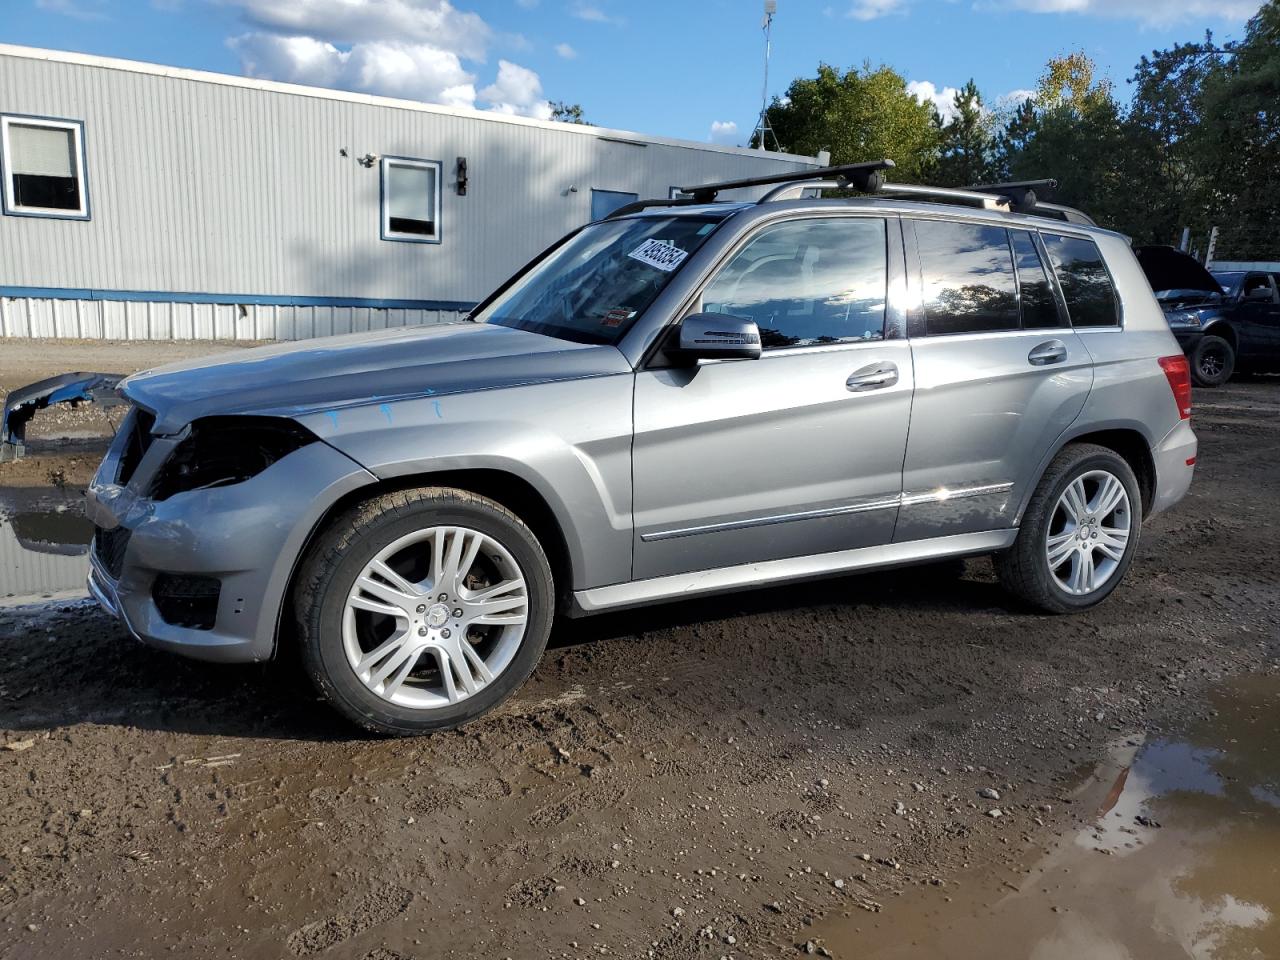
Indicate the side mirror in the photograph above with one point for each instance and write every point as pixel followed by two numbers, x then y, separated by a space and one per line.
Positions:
pixel 717 336
pixel 1258 295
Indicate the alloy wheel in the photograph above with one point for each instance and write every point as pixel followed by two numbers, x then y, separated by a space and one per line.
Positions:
pixel 435 617
pixel 1088 532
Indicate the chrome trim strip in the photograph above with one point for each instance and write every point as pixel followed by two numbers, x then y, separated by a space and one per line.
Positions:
pixel 772 572
pixel 943 494
pixel 861 506
pixel 940 495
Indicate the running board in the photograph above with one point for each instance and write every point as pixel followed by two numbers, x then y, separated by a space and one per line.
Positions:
pixel 768 573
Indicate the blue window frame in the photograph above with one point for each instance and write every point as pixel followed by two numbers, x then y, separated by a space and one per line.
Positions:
pixel 604 202
pixel 43 167
pixel 410 200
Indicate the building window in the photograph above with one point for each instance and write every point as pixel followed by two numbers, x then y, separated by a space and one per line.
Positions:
pixel 410 200
pixel 604 202
pixel 42 161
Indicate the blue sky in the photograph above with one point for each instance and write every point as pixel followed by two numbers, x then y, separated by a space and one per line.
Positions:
pixel 688 69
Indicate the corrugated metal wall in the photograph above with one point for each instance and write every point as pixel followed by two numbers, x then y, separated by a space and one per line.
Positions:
pixel 222 188
pixel 124 320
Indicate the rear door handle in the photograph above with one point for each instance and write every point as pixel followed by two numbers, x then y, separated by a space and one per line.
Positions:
pixel 875 376
pixel 1051 351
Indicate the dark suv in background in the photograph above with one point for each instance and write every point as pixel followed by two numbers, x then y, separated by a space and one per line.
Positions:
pixel 1224 321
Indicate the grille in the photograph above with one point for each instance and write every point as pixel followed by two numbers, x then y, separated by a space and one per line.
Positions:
pixel 110 545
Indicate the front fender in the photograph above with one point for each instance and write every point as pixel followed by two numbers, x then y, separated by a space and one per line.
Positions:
pixel 570 441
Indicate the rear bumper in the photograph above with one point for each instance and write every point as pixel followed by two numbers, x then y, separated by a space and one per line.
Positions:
pixel 247 536
pixel 1175 459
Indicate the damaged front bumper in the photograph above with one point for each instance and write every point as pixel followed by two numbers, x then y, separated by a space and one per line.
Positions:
pixel 243 539
pixel 73 388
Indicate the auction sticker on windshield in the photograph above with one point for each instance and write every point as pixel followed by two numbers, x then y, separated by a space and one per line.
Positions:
pixel 658 254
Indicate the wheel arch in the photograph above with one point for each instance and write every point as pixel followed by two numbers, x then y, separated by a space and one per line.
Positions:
pixel 1220 327
pixel 1127 440
pixel 510 490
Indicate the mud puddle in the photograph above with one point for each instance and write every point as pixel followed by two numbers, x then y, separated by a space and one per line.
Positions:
pixel 1182 860
pixel 43 553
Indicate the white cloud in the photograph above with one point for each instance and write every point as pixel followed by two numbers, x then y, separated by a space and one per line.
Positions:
pixel 566 51
pixel 873 9
pixel 1151 12
pixel 516 91
pixel 413 49
pixel 1013 99
pixel 79 9
pixel 415 71
pixel 724 131
pixel 943 100
pixel 435 22
pixel 592 13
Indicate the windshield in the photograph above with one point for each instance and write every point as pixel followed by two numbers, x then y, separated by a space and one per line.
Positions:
pixel 1230 281
pixel 591 288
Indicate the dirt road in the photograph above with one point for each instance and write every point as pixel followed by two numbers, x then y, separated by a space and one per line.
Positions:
pixel 702 780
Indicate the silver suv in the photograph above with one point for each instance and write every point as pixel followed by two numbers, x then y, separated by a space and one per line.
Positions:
pixel 690 397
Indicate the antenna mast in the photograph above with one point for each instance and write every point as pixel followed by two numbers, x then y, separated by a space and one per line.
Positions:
pixel 763 130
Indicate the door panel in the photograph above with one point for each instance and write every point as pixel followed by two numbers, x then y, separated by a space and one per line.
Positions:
pixel 739 461
pixel 984 414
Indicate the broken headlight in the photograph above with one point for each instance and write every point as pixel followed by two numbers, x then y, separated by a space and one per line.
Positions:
pixel 220 451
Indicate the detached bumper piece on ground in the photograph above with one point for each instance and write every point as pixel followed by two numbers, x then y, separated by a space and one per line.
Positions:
pixel 73 388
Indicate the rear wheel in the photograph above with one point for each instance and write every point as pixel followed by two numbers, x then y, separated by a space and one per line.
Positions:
pixel 1212 361
pixel 422 609
pixel 1079 532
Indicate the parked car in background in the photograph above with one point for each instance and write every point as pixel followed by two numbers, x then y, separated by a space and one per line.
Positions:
pixel 1224 321
pixel 686 398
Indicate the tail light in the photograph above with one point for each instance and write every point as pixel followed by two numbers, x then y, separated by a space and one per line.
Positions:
pixel 1179 373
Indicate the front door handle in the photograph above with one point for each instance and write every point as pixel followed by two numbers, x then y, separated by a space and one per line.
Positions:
pixel 1051 351
pixel 875 376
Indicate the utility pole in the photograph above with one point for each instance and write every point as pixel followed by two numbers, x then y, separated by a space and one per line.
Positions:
pixel 763 130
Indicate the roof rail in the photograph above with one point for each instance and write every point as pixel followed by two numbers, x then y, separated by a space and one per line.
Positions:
pixel 866 177
pixel 1017 196
pixel 970 198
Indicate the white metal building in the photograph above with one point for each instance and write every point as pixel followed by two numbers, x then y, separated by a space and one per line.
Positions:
pixel 149 202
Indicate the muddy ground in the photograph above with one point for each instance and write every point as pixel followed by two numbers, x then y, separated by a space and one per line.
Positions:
pixel 724 778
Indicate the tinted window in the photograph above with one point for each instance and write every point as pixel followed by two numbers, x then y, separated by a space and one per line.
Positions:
pixel 967 271
pixel 591 288
pixel 808 282
pixel 1086 285
pixel 1035 294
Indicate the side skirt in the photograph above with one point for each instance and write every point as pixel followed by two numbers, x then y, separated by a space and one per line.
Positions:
pixel 772 572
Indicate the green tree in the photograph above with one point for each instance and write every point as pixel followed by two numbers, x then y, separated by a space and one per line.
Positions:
pixel 1237 142
pixel 966 141
pixel 567 112
pixel 858 115
pixel 1072 132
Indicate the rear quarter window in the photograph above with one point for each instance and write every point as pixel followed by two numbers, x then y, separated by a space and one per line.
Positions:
pixel 1086 284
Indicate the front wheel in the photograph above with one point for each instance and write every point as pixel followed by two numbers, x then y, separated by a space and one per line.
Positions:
pixel 422 609
pixel 1212 361
pixel 1079 532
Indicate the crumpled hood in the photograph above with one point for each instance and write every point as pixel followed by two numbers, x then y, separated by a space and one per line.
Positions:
pixel 312 376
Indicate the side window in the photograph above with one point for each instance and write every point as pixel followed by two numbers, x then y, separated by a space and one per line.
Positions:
pixel 807 282
pixel 967 270
pixel 1258 281
pixel 43 164
pixel 1035 293
pixel 1086 285
pixel 410 200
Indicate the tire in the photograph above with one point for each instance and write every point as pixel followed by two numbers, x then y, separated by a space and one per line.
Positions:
pixel 412 654
pixel 1025 568
pixel 1212 361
